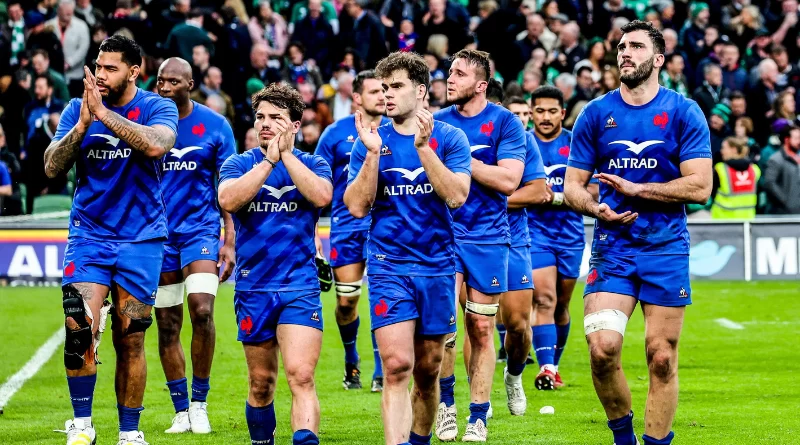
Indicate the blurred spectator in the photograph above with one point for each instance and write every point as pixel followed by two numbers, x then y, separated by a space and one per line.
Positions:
pixel 212 86
pixel 12 203
pixel 41 66
pixel 310 136
pixel 531 80
pixel 342 102
pixel 217 104
pixel 782 175
pixel 692 35
pixel 394 12
pixel 303 8
pixel 98 35
pixel 605 13
pixel 201 61
pixel 569 51
pixel 716 46
pixel 269 28
pixel 743 128
pixel 250 140
pixel 610 80
pixel 731 11
pixel 671 76
pixel 744 26
pixel 260 67
pixel 784 106
pixel 757 51
pixel 438 45
pixel 13 98
pixel 320 111
pixel 438 91
pixel 47 8
pixel 85 11
pixel 438 21
pixel 316 34
pixel 788 75
pixel 365 36
pixel 584 90
pixel 131 18
pixel 734 77
pixel 566 83
pixel 407 38
pixel 74 36
pixel 532 39
pixel 719 129
pixel 299 70
pixel 761 97
pixel 14 30
pixel 6 189
pixel 735 179
pixel 171 17
pixel 41 119
pixel 711 92
pixel 185 36
pixel 596 54
pixel 434 66
pixel 738 105
pixel 42 37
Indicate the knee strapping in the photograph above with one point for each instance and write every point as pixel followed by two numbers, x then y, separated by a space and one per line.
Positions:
pixel 170 295
pixel 202 283
pixel 487 309
pixel 349 290
pixel 607 319
pixel 450 343
pixel 78 341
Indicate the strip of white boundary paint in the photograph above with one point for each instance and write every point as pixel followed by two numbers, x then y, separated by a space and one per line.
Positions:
pixel 725 323
pixel 15 382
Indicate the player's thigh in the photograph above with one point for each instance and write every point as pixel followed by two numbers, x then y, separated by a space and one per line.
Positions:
pixel 544 291
pixel 138 269
pixel 605 319
pixel 662 326
pixel 485 267
pixel 396 346
pixel 428 353
pixel 130 314
pixel 435 304
pixel 564 290
pixel 93 296
pixel 262 367
pixel 300 348
pixel 391 300
pixel 515 308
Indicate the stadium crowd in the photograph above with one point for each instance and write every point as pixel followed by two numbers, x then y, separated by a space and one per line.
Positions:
pixel 734 57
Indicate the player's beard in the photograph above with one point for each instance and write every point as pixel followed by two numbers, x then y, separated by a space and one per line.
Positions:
pixel 114 92
pixel 549 134
pixel 462 98
pixel 639 75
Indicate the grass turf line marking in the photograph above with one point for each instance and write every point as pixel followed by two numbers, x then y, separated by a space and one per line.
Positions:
pixel 725 323
pixel 15 382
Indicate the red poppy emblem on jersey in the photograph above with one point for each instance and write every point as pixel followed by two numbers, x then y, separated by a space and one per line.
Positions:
pixel 592 277
pixel 564 151
pixel 381 309
pixel 70 269
pixel 661 120
pixel 487 128
pixel 199 130
pixel 334 253
pixel 133 115
pixel 433 143
pixel 246 325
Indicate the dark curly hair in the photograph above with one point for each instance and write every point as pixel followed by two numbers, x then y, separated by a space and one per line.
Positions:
pixel 130 50
pixel 655 35
pixel 282 96
pixel 478 59
pixel 412 63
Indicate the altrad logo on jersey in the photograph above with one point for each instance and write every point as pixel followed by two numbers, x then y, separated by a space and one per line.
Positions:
pixel 636 148
pixel 117 153
pixel 407 189
pixel 263 206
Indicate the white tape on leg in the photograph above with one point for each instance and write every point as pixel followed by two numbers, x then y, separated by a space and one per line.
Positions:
pixel 487 309
pixel 349 290
pixel 607 319
pixel 169 295
pixel 202 283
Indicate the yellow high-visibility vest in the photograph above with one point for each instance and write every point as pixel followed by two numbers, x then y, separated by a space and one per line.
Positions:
pixel 736 197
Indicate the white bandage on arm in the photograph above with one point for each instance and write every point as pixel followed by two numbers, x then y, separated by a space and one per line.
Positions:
pixel 169 295
pixel 202 283
pixel 607 319
pixel 558 198
pixel 490 310
pixel 349 290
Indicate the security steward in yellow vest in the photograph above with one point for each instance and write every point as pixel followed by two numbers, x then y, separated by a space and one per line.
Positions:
pixel 735 180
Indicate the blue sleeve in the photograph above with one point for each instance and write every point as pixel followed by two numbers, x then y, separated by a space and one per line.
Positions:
pixel 357 156
pixel 512 139
pixel 457 157
pixel 695 137
pixel 232 168
pixel 163 112
pixel 534 167
pixel 5 177
pixel 582 152
pixel 325 146
pixel 226 146
pixel 69 118
pixel 320 167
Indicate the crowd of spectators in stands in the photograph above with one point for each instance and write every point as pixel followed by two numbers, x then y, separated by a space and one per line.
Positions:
pixel 734 57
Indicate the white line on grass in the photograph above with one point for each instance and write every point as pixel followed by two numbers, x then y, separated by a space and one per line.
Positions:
pixel 13 384
pixel 725 323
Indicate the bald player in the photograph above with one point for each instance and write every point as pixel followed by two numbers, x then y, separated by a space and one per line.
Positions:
pixel 192 254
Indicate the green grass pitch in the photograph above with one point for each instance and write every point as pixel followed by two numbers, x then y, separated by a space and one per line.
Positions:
pixel 737 386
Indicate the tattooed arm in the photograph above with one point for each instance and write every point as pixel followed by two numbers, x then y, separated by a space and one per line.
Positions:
pixel 61 154
pixel 153 142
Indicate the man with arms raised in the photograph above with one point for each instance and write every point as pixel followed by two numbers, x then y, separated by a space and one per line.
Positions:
pixel 348 234
pixel 650 147
pixel 274 193
pixel 192 256
pixel 498 146
pixel 116 133
pixel 409 175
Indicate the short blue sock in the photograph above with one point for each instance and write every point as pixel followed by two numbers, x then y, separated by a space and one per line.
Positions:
pixel 128 418
pixel 447 390
pixel 200 388
pixel 377 356
pixel 179 393
pixel 304 437
pixel 665 441
pixel 544 342
pixel 416 439
pixel 623 430
pixel 562 332
pixel 81 392
pixel 501 331
pixel 515 368
pixel 478 411
pixel 261 423
pixel 349 333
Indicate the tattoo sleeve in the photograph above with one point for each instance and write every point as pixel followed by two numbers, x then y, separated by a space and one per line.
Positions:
pixel 134 309
pixel 60 155
pixel 150 141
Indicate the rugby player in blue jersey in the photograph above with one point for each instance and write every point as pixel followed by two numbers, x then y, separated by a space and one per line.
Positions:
pixel 116 134
pixel 192 255
pixel 650 148
pixel 275 193
pixel 409 175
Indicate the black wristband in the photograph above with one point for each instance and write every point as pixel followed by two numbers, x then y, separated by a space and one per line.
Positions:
pixel 274 165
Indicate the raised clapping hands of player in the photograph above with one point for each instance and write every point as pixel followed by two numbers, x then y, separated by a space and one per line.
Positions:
pixel 424 129
pixel 86 116
pixel 621 185
pixel 369 136
pixel 92 96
